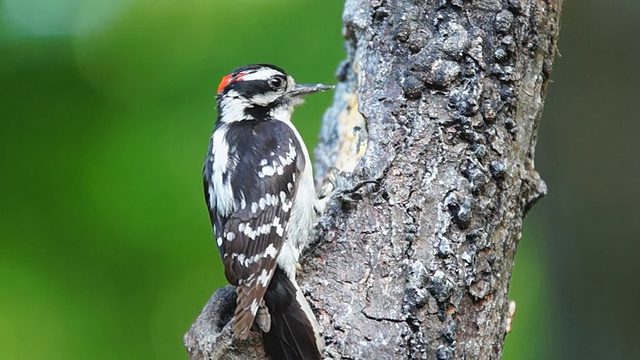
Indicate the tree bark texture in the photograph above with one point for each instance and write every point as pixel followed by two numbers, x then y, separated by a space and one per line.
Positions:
pixel 439 101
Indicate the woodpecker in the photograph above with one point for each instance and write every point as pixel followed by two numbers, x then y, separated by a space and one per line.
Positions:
pixel 259 189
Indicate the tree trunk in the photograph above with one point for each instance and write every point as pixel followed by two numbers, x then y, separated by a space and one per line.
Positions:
pixel 439 101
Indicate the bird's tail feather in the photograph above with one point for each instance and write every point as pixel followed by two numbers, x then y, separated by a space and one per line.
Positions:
pixel 294 333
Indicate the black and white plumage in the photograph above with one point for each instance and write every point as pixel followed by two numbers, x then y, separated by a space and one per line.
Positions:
pixel 262 202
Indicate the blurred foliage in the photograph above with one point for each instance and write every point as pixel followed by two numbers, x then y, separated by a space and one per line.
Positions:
pixel 106 110
pixel 531 337
pixel 588 154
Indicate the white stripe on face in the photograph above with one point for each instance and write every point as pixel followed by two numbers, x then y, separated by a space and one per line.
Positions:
pixel 265 99
pixel 260 74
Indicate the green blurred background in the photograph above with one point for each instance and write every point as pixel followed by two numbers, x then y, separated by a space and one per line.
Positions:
pixel 106 108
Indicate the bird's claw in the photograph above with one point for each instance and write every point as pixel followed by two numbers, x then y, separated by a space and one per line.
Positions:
pixel 343 191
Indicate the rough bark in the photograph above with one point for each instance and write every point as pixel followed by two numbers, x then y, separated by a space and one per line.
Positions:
pixel 439 101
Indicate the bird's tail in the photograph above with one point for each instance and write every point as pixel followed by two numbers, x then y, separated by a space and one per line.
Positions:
pixel 294 333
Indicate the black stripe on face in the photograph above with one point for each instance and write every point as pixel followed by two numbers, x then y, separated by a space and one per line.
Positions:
pixel 260 112
pixel 251 88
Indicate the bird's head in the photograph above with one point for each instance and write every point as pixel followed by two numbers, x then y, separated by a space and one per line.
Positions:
pixel 261 92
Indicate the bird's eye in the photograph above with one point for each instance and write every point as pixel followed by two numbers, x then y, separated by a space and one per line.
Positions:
pixel 276 82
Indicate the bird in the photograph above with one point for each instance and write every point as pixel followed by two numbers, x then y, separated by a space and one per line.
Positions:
pixel 259 189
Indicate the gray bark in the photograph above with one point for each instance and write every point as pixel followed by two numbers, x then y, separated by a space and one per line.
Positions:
pixel 439 101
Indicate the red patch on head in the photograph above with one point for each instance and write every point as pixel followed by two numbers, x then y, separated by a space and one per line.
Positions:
pixel 229 79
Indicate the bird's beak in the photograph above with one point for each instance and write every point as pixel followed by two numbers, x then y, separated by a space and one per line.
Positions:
pixel 306 89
